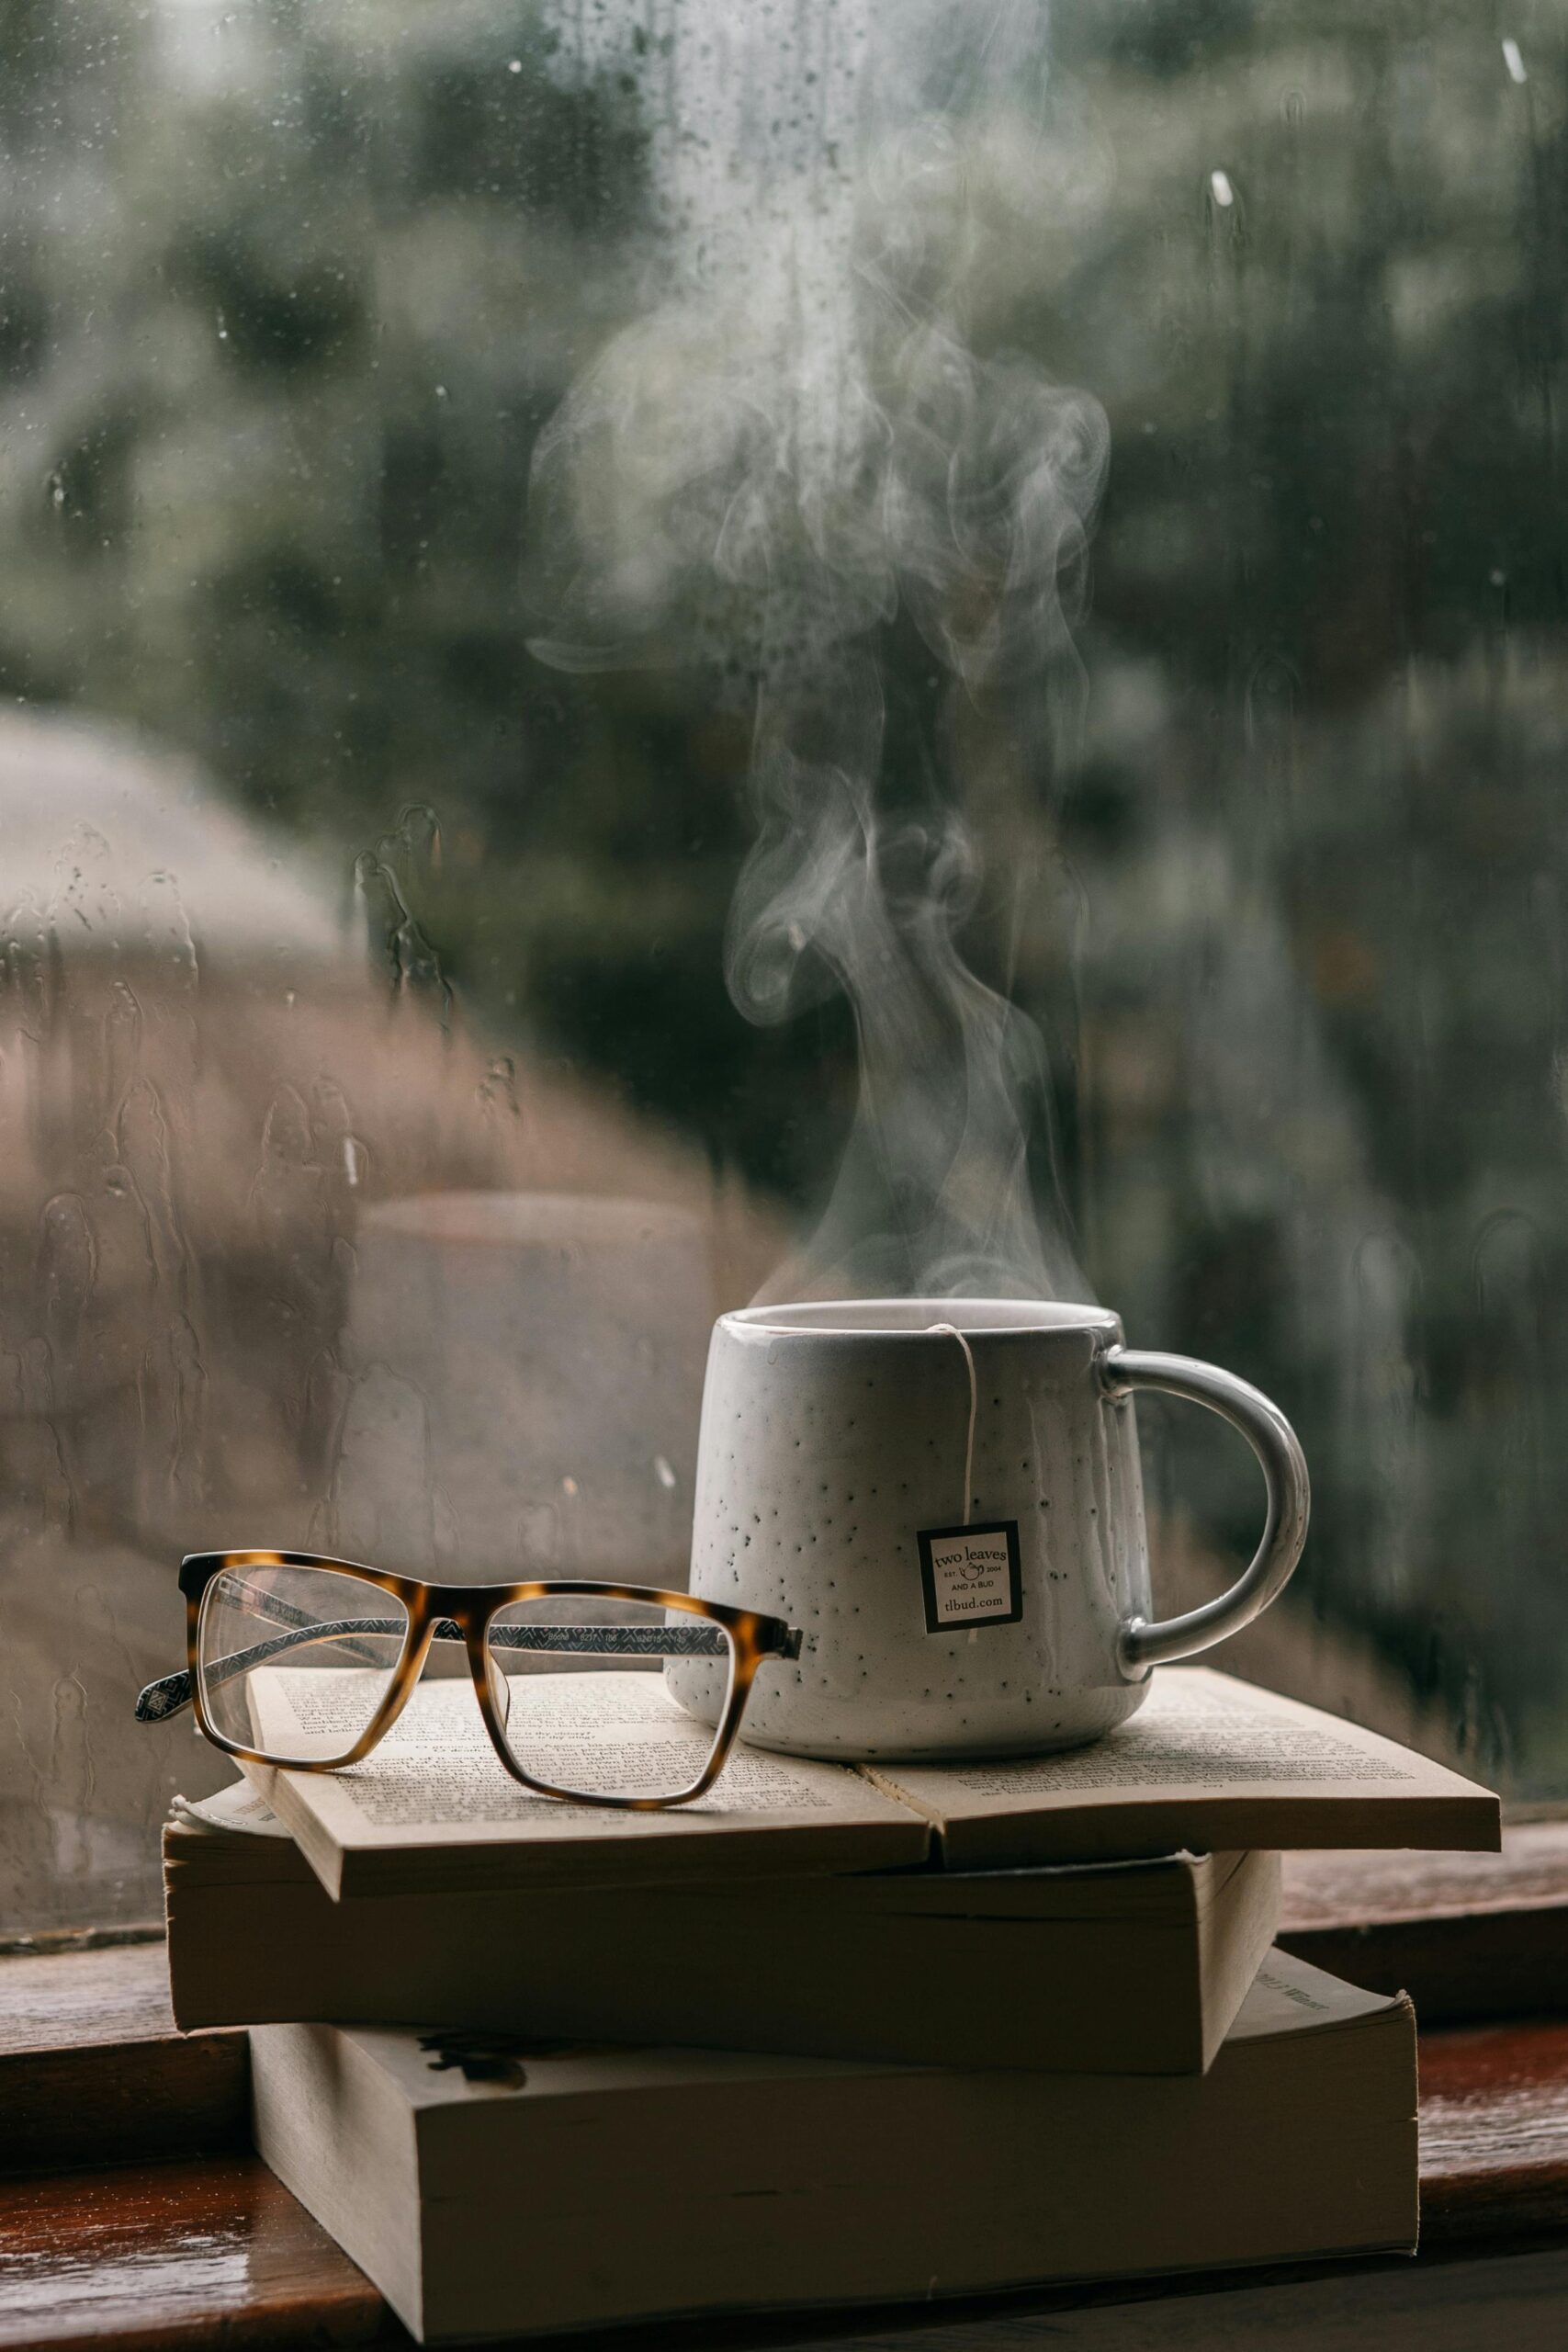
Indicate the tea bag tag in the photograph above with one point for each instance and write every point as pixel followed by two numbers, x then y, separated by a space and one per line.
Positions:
pixel 970 1574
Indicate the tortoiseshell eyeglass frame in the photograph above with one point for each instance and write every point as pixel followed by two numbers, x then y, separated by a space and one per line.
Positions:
pixel 463 1613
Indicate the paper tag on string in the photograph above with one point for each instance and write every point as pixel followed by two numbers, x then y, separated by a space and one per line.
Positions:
pixel 971 1576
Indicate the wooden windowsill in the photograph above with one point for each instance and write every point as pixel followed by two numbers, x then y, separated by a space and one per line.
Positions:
pixel 218 2254
pixel 1341 1890
pixel 93 2072
pixel 136 2216
pixel 1468 1936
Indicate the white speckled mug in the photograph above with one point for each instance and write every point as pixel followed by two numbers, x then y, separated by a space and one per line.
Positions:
pixel 998 1613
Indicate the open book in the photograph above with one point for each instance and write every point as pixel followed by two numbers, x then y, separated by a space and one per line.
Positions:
pixel 434 1808
pixel 1208 1764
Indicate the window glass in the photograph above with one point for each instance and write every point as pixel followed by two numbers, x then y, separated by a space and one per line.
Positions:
pixel 652 647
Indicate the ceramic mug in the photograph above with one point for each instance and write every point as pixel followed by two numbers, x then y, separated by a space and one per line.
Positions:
pixel 1003 1611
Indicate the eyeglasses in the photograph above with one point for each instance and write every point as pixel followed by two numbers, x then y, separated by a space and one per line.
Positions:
pixel 318 1693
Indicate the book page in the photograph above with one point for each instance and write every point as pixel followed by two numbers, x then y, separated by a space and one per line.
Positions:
pixel 1202 1742
pixel 1197 1730
pixel 436 1778
pixel 235 1808
pixel 1288 1995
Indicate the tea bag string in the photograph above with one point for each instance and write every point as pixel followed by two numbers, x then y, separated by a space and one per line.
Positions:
pixel 953 1333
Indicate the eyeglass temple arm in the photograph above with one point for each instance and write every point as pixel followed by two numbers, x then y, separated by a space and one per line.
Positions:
pixel 167 1696
pixel 172 1691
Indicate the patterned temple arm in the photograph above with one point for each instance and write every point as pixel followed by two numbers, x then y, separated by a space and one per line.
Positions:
pixel 167 1696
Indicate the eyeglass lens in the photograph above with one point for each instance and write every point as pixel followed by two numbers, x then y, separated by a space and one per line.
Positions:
pixel 295 1662
pixel 608 1698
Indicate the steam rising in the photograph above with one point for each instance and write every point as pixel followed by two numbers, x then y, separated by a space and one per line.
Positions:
pixel 795 450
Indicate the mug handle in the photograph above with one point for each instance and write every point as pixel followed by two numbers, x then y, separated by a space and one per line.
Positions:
pixel 1272 1438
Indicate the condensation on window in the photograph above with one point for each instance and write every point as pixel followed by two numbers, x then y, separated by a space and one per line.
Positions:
pixel 652 649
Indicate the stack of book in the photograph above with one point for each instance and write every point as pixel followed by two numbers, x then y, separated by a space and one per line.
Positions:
pixel 834 2035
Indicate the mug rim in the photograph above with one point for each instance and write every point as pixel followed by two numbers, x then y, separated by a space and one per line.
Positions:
pixel 978 1319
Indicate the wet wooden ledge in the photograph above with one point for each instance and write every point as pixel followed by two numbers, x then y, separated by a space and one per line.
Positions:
pixel 135 2215
pixel 215 2253
pixel 212 2251
pixel 1468 1936
pixel 93 2072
